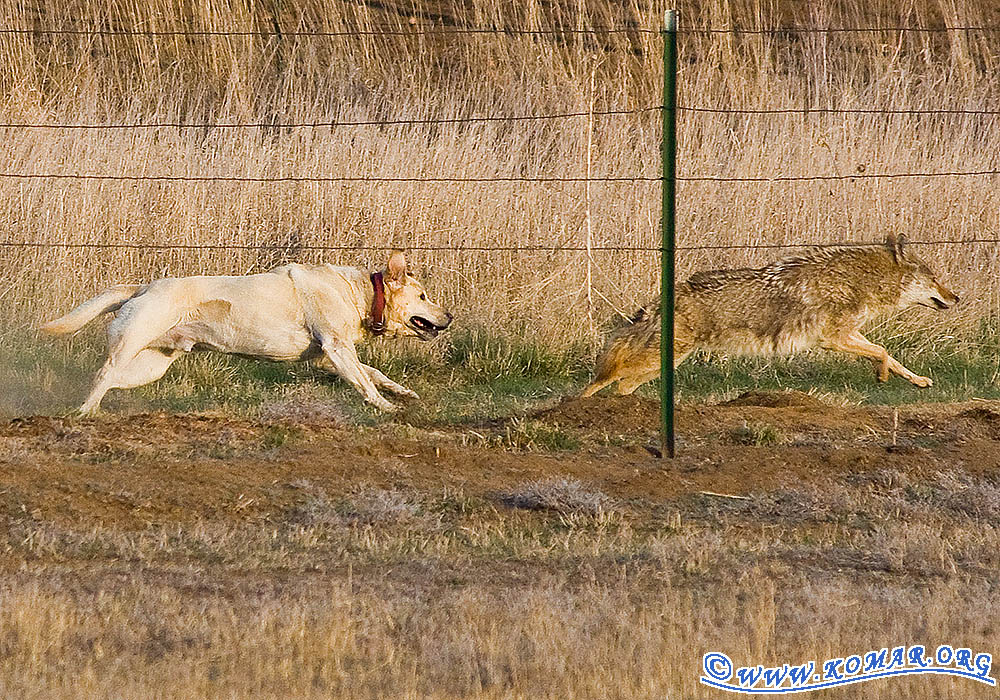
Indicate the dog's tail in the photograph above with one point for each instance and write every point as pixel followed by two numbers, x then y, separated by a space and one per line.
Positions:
pixel 109 300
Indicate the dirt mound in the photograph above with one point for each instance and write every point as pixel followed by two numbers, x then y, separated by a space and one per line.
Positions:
pixel 776 399
pixel 615 414
pixel 982 414
pixel 153 425
pixel 983 420
pixel 632 415
pixel 120 435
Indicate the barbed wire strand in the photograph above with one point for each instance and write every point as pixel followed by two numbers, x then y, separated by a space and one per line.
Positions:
pixel 442 180
pixel 839 30
pixel 486 119
pixel 834 110
pixel 315 179
pixel 853 176
pixel 464 249
pixel 844 244
pixel 435 31
pixel 343 33
pixel 331 124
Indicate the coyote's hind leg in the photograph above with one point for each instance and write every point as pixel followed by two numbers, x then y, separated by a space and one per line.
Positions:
pixel 617 365
pixel 598 384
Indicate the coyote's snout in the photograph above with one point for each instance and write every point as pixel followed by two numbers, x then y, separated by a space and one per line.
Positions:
pixel 821 298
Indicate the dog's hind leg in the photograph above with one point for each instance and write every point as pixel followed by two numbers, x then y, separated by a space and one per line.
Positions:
pixel 129 337
pixel 856 344
pixel 146 366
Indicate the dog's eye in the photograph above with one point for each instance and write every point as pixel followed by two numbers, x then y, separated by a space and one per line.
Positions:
pixel 423 296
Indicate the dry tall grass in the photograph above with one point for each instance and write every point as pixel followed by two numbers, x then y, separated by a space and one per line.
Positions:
pixel 470 601
pixel 552 639
pixel 111 79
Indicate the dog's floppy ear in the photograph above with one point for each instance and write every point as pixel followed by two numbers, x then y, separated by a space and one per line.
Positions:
pixel 397 268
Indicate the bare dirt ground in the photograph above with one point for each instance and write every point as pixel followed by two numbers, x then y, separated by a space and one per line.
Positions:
pixel 154 468
pixel 548 555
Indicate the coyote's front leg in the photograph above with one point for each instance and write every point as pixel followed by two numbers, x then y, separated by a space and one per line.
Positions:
pixel 856 344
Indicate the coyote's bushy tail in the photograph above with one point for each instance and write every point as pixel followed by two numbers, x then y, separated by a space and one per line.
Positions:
pixel 108 300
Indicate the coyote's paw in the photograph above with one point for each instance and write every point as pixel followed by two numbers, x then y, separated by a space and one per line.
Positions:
pixel 922 382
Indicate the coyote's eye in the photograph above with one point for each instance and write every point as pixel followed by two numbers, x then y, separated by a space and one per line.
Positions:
pixel 423 296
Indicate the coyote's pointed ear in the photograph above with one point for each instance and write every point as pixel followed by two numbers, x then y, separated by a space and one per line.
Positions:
pixel 895 244
pixel 397 268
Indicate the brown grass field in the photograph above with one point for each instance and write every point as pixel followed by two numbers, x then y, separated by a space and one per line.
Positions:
pixel 107 79
pixel 250 533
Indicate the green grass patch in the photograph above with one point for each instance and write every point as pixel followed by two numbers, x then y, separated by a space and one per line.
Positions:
pixel 468 375
pixel 487 356
pixel 757 435
pixel 958 374
pixel 532 435
pixel 472 375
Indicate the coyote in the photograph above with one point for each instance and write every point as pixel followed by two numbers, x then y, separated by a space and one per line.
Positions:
pixel 293 312
pixel 820 298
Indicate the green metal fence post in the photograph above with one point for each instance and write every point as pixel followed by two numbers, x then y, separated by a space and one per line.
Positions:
pixel 669 161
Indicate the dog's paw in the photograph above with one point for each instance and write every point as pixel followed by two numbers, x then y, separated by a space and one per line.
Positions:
pixel 922 382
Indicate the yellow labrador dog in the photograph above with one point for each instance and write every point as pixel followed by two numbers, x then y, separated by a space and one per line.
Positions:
pixel 293 312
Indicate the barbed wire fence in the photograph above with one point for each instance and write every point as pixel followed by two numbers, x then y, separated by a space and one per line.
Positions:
pixel 669 109
pixel 482 119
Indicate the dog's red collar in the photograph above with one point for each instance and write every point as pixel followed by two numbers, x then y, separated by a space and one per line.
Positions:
pixel 376 321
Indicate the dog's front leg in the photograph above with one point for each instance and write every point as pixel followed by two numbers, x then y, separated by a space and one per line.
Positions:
pixel 386 383
pixel 343 359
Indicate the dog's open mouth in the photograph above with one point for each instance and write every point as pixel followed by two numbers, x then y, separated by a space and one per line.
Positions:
pixel 425 329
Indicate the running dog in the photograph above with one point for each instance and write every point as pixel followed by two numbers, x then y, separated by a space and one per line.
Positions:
pixel 819 298
pixel 294 312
